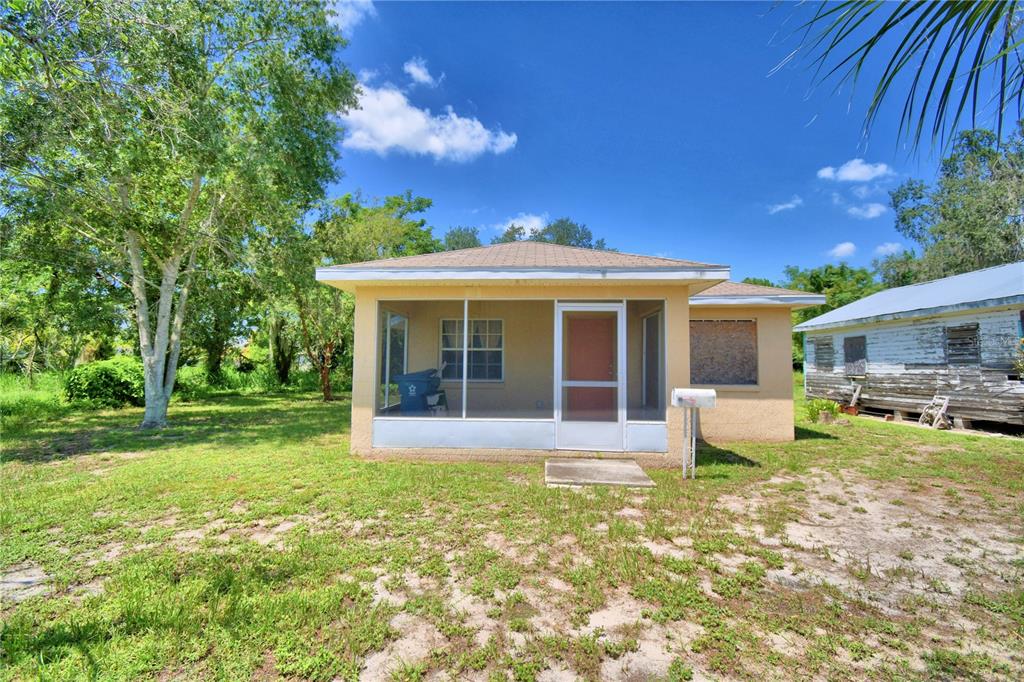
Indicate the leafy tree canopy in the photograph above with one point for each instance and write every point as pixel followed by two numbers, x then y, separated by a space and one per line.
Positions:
pixel 461 238
pixel 561 231
pixel 157 130
pixel 972 217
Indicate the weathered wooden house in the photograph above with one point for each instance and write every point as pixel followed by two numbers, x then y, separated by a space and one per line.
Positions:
pixel 906 348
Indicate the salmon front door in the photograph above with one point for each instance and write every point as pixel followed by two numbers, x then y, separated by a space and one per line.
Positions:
pixel 589 346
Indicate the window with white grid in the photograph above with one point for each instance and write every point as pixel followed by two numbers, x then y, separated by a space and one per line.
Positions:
pixel 486 350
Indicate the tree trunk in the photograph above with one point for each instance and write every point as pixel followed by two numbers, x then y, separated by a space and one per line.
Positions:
pixel 159 343
pixel 282 352
pixel 325 372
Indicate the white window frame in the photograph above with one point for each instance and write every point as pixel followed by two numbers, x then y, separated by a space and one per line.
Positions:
pixel 466 350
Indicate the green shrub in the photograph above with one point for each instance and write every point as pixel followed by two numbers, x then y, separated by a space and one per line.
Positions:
pixel 191 383
pixel 108 383
pixel 815 407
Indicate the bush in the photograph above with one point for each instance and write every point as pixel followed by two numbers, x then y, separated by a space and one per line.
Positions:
pixel 108 383
pixel 815 407
pixel 191 383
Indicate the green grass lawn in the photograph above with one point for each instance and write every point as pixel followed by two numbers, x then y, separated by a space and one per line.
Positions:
pixel 245 542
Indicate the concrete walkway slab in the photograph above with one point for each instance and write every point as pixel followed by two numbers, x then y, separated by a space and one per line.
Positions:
pixel 580 471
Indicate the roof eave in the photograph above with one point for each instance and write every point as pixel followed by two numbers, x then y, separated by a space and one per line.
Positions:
pixel 370 274
pixel 809 325
pixel 794 301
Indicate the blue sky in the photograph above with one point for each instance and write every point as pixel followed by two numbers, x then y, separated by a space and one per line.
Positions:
pixel 656 125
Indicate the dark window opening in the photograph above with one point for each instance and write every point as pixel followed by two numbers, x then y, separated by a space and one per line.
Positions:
pixel 824 354
pixel 962 346
pixel 855 355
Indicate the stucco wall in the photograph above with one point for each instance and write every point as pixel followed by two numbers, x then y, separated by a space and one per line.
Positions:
pixel 763 411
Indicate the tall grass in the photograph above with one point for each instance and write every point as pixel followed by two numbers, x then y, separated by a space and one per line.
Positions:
pixel 22 402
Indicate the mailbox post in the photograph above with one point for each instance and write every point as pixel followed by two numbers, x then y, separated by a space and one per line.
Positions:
pixel 689 400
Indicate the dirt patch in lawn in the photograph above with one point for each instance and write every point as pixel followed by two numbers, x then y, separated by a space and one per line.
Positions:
pixel 22 581
pixel 898 546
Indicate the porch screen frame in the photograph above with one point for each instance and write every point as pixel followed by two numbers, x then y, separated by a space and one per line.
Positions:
pixel 387 354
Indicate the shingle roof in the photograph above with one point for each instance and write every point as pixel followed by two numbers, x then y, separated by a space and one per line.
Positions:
pixel 526 255
pixel 744 289
pixel 1001 285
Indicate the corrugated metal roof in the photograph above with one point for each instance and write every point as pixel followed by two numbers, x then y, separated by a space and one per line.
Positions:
pixel 1001 285
pixel 524 255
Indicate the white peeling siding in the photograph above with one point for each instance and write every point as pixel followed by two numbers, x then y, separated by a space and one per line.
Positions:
pixel 892 346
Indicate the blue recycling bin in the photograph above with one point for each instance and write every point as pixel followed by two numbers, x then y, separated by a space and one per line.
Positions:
pixel 414 387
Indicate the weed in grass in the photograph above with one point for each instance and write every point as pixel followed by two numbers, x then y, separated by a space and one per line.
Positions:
pixel 679 671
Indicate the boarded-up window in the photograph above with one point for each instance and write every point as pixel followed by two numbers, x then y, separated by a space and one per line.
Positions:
pixel 723 352
pixel 824 354
pixel 855 355
pixel 962 347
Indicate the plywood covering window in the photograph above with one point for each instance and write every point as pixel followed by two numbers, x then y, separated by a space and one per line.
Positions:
pixel 855 355
pixel 723 352
pixel 962 347
pixel 824 354
pixel 486 350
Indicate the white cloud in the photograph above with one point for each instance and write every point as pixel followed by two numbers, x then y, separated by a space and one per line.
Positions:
pixel 888 248
pixel 346 14
pixel 420 74
pixel 387 121
pixel 867 211
pixel 785 206
pixel 843 250
pixel 367 75
pixel 533 222
pixel 855 170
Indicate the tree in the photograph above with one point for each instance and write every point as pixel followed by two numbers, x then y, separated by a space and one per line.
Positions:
pixel 973 216
pixel 946 58
pixel 461 238
pixel 898 269
pixel 347 232
pixel 841 284
pixel 568 233
pixel 760 281
pixel 562 231
pixel 155 130
pixel 54 296
pixel 512 233
pixel 220 308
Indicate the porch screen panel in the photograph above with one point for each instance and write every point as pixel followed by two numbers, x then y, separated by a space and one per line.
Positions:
pixel 509 359
pixel 393 334
pixel 645 361
pixel 414 381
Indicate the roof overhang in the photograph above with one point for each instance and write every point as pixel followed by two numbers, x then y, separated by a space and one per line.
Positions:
pixel 810 326
pixel 349 277
pixel 794 301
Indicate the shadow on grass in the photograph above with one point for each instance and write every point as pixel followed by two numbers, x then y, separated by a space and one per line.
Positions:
pixel 803 433
pixel 709 454
pixel 228 420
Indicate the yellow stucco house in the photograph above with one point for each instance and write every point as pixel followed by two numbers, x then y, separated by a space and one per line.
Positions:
pixel 535 347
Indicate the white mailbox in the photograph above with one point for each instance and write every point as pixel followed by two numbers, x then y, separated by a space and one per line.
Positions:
pixel 690 400
pixel 693 397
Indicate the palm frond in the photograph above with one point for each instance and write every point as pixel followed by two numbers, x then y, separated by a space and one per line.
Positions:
pixel 941 56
